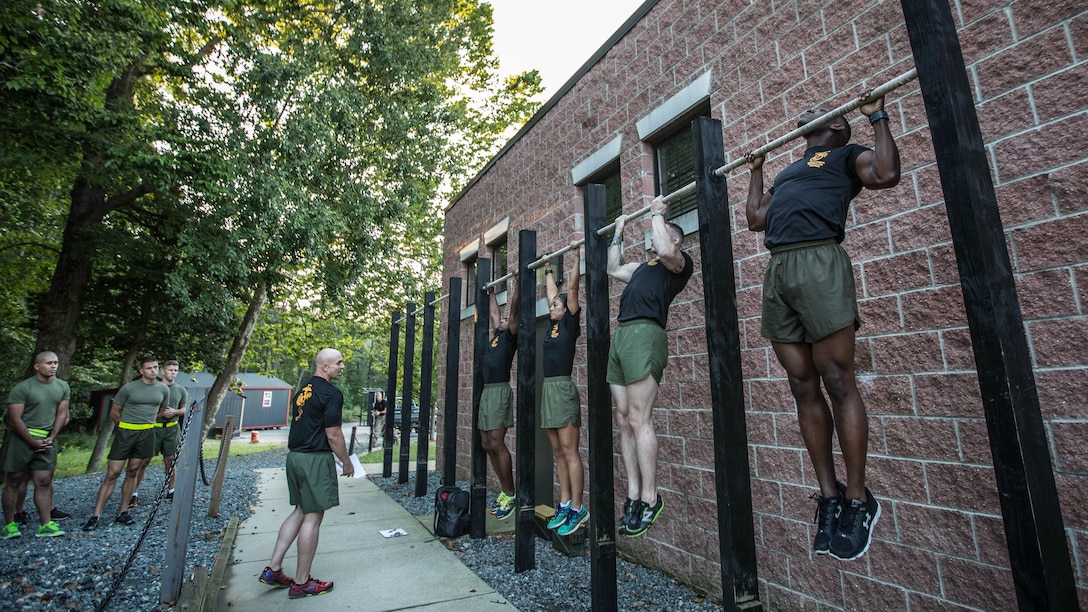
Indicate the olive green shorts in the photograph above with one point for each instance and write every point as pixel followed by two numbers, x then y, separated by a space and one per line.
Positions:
pixel 19 457
pixel 496 407
pixel 560 404
pixel 132 444
pixel 808 292
pixel 166 440
pixel 639 349
pixel 311 481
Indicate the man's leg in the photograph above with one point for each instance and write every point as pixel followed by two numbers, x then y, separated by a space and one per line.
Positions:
pixel 627 442
pixel 114 467
pixel 833 358
pixel 287 534
pixel 560 465
pixel 14 490
pixel 494 443
pixel 572 463
pixel 640 404
pixel 43 493
pixel 308 534
pixel 813 414
pixel 167 463
pixel 132 475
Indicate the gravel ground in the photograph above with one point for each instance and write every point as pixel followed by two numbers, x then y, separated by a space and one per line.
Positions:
pixel 558 582
pixel 76 571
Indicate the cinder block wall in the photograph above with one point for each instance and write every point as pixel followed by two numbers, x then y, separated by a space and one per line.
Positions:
pixel 940 543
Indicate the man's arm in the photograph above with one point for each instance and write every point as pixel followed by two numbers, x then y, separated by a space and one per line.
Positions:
pixel 60 419
pixel 551 290
pixel 879 168
pixel 115 413
pixel 668 252
pixel 616 268
pixel 512 306
pixel 573 305
pixel 493 311
pixel 758 202
pixel 19 428
pixel 339 448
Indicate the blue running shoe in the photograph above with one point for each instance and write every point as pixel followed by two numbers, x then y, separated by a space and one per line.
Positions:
pixel 575 520
pixel 561 513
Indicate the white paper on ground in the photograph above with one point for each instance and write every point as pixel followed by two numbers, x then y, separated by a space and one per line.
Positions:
pixel 359 471
pixel 392 533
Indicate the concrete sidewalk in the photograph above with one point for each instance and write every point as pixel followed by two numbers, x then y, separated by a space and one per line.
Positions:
pixel 370 572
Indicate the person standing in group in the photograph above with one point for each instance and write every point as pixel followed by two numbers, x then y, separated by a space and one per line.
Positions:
pixel 810 310
pixel 560 405
pixel 638 356
pixel 315 436
pixel 37 412
pixel 496 402
pixel 134 410
pixel 377 429
pixel 167 430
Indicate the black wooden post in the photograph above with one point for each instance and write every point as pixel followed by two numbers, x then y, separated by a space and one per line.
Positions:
pixel 426 375
pixel 390 396
pixel 732 479
pixel 478 509
pixel 453 365
pixel 1041 568
pixel 525 530
pixel 602 519
pixel 406 393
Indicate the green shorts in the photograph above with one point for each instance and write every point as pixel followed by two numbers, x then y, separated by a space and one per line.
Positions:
pixel 496 407
pixel 311 481
pixel 808 292
pixel 166 440
pixel 560 404
pixel 132 444
pixel 639 349
pixel 19 457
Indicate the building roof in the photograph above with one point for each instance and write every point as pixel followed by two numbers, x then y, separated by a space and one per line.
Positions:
pixel 201 380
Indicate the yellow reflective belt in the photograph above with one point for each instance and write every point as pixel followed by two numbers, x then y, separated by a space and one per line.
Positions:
pixel 39 433
pixel 166 424
pixel 135 426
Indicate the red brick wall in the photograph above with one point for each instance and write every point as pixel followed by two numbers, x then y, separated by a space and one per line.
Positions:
pixel 940 543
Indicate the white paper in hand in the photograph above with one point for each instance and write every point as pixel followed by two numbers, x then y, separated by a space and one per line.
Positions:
pixel 359 471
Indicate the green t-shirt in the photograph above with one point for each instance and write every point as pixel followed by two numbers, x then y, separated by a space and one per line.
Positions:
pixel 179 397
pixel 39 401
pixel 140 402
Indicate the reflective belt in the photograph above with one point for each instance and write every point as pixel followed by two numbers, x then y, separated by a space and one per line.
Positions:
pixel 166 424
pixel 135 426
pixel 38 433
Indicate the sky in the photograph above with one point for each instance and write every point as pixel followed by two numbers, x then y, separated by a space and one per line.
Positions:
pixel 555 37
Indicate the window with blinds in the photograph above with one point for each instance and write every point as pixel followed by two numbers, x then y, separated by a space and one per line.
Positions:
pixel 471 288
pixel 674 160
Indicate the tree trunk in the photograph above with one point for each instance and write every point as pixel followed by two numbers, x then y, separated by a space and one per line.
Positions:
pixel 105 430
pixel 234 358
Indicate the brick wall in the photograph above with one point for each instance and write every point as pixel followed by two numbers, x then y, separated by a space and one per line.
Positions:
pixel 940 543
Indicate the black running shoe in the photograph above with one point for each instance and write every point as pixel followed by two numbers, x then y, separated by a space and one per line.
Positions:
pixel 57 514
pixel 855 532
pixel 170 496
pixel 826 519
pixel 91 524
pixel 132 501
pixel 125 519
pixel 628 515
pixel 22 518
pixel 647 516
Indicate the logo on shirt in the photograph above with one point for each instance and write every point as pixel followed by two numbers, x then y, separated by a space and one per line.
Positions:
pixel 653 262
pixel 555 330
pixel 304 394
pixel 817 160
pixel 495 342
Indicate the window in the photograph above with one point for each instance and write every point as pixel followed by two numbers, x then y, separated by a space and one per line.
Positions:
pixel 470 282
pixel 609 176
pixel 674 168
pixel 499 265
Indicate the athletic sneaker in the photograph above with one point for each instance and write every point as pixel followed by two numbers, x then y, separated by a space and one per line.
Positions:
pixel 170 495
pixel 647 517
pixel 49 530
pixel 125 519
pixel 826 519
pixel 91 524
pixel 574 521
pixel 493 508
pixel 505 507
pixel 132 501
pixel 21 517
pixel 856 523
pixel 57 514
pixel 628 515
pixel 277 578
pixel 561 512
pixel 11 530
pixel 309 589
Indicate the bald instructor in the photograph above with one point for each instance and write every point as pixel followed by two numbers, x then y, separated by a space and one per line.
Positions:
pixel 315 436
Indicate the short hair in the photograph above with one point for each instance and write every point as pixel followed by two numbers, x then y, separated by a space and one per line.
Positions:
pixel 171 363
pixel 40 357
pixel 146 360
pixel 675 230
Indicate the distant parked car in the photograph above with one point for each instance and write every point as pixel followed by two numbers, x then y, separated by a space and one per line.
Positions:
pixel 415 415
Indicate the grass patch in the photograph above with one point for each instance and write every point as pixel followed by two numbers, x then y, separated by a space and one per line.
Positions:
pixel 378 456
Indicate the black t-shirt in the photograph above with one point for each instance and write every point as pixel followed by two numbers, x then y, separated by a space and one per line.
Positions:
pixel 499 356
pixel 317 405
pixel 379 406
pixel 810 198
pixel 651 289
pixel 559 344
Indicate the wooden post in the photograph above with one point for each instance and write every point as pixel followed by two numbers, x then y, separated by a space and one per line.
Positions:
pixel 426 374
pixel 181 510
pixel 453 365
pixel 525 530
pixel 602 518
pixel 478 509
pixel 221 466
pixel 736 534
pixel 1041 569
pixel 390 396
pixel 406 393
